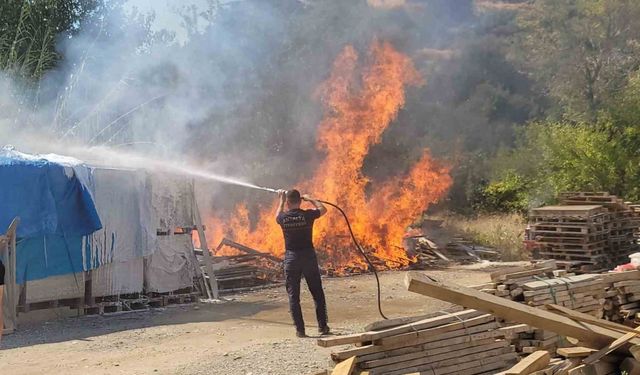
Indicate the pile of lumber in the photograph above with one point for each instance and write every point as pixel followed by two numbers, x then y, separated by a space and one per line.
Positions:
pixel 575 236
pixel 622 301
pixel 583 293
pixel 623 226
pixel 539 284
pixel 428 253
pixel 463 342
pixel 466 251
pixel 508 282
pixel 604 347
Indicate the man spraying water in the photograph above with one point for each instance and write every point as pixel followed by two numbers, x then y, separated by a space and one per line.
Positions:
pixel 300 256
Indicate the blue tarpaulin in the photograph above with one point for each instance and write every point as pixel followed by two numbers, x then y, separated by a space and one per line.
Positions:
pixel 53 200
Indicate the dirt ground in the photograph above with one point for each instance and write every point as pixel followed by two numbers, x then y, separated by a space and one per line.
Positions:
pixel 248 334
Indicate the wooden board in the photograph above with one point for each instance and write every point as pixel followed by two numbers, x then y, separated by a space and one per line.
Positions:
pixel 411 327
pixel 345 367
pixel 581 317
pixel 439 341
pixel 513 311
pixel 533 362
pixel 575 352
pixel 464 326
pixel 593 358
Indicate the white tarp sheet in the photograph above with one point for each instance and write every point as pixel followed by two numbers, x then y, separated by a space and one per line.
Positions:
pixel 123 201
pixel 172 266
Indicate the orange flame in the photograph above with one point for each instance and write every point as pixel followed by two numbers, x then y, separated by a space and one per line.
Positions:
pixel 360 103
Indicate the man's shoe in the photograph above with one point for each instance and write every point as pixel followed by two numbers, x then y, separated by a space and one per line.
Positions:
pixel 324 330
pixel 301 334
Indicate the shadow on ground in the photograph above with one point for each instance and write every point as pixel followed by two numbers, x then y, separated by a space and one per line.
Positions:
pixel 88 328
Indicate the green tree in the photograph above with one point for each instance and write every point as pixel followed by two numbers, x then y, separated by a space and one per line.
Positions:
pixel 29 31
pixel 580 51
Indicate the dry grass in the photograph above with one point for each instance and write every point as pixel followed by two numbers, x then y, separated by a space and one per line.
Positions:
pixel 505 232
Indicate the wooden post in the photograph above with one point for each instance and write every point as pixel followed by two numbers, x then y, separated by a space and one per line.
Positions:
pixel 10 287
pixel 213 282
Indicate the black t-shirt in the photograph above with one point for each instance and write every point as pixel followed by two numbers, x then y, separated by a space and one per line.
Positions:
pixel 1 276
pixel 297 227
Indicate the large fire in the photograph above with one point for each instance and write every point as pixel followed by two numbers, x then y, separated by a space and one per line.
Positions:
pixel 361 98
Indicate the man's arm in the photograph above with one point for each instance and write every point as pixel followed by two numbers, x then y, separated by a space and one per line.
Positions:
pixel 317 204
pixel 281 196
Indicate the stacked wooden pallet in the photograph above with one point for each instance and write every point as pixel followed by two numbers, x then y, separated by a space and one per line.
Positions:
pixel 623 226
pixel 464 342
pixel 576 236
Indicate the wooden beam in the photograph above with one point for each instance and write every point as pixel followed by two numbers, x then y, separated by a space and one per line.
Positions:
pixel 593 358
pixel 10 288
pixel 411 327
pixel 533 362
pixel 248 250
pixel 345 367
pixel 588 333
pixel 582 317
pixel 575 352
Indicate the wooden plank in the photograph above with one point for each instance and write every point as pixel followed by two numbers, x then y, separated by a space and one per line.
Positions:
pixel 457 365
pixel 575 352
pixel 590 334
pixel 613 277
pixel 208 261
pixel 593 358
pixel 437 342
pixel 533 362
pixel 430 332
pixel 543 264
pixel 582 317
pixel 345 367
pixel 411 327
pixel 388 358
pixel 394 322
pixel 496 348
pixel 10 289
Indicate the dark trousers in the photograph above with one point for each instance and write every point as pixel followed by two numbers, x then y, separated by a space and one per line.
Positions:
pixel 297 265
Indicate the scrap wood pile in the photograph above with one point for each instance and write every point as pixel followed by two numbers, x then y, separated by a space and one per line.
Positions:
pixel 589 232
pixel 459 250
pixel 247 270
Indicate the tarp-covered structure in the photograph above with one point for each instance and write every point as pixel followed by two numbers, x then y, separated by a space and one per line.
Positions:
pixel 113 227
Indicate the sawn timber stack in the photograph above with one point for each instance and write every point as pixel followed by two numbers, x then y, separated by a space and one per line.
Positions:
pixel 465 342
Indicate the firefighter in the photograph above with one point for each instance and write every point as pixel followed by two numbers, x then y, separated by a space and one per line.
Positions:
pixel 300 256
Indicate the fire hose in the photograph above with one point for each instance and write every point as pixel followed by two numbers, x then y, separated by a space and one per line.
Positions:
pixel 355 242
pixel 364 255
